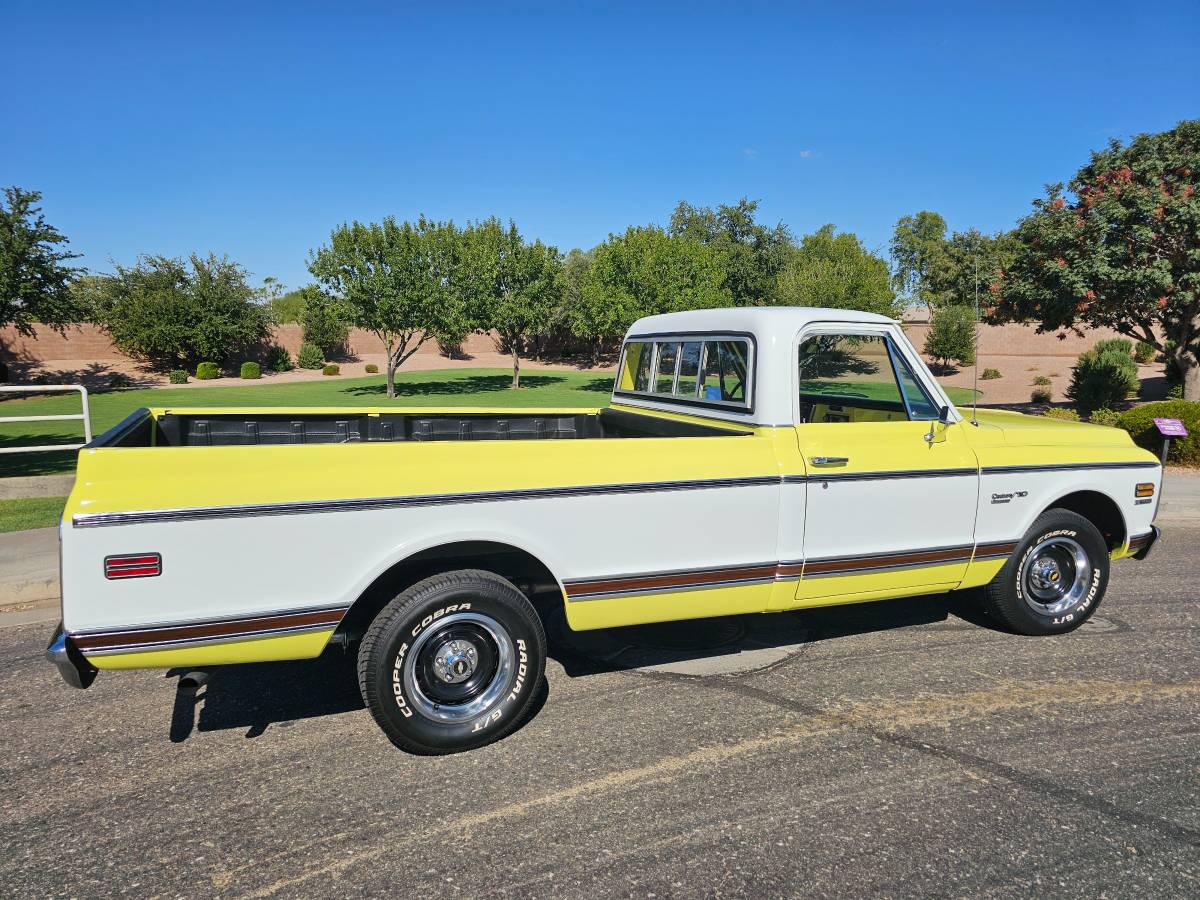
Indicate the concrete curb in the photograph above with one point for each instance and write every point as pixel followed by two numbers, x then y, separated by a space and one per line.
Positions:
pixel 22 486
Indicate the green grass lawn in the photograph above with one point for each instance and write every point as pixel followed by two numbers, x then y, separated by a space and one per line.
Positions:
pixel 461 387
pixel 33 512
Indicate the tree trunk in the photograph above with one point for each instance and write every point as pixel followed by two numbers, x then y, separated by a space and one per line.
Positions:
pixel 516 382
pixel 1189 373
pixel 391 370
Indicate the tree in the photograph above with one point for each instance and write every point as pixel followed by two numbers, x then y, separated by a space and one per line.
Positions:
pixel 934 270
pixel 837 271
pixel 288 308
pixel 324 320
pixel 952 335
pixel 398 281
pixel 1119 248
pixel 176 313
pixel 751 254
pixel 517 285
pixel 643 272
pixel 35 282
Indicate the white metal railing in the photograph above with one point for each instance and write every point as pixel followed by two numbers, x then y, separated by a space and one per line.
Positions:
pixel 86 415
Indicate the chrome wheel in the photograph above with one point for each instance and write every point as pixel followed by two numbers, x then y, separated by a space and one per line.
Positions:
pixel 1055 575
pixel 459 667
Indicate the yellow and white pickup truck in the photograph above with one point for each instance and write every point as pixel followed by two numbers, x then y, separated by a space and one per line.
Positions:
pixel 750 461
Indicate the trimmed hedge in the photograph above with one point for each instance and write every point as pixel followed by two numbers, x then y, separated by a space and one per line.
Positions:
pixel 178 376
pixel 310 357
pixel 990 374
pixel 372 369
pixel 1139 422
pixel 207 371
pixel 1067 415
pixel 1040 395
pixel 1105 417
pixel 251 370
pixel 1144 353
pixel 332 369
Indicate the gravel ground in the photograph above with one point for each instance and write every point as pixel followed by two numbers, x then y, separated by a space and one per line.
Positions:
pixel 900 748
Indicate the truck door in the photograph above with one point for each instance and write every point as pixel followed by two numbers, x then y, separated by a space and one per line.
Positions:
pixel 891 492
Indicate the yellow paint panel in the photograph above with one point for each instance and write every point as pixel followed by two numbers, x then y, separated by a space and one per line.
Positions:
pixel 148 478
pixel 640 609
pixel 982 571
pixel 271 649
pixel 895 582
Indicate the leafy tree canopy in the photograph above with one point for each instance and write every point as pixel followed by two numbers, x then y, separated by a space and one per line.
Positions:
pixel 837 271
pixel 643 272
pixel 751 254
pixel 34 276
pixel 519 284
pixel 1119 247
pixel 176 313
pixel 401 281
pixel 934 269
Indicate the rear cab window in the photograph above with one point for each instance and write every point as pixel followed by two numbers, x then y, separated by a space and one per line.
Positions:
pixel 711 371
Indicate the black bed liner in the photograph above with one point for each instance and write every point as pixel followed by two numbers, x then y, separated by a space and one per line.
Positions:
pixel 248 428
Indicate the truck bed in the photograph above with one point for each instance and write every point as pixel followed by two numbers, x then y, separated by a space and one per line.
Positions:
pixel 249 427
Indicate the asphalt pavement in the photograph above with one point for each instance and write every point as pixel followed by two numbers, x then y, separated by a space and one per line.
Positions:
pixel 900 748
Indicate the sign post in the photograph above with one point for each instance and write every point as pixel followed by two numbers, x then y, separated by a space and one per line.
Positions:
pixel 1169 428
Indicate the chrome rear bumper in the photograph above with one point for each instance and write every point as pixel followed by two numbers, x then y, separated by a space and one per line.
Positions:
pixel 74 669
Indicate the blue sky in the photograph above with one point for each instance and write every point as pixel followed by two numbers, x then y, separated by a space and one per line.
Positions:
pixel 252 129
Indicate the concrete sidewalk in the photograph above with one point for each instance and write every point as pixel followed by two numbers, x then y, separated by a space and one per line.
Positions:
pixel 29 559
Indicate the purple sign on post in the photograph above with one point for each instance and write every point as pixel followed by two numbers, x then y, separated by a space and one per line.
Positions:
pixel 1170 428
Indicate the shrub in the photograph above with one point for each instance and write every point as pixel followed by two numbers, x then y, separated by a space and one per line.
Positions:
pixel 176 312
pixel 1067 415
pixel 1116 345
pixel 1104 417
pixel 372 369
pixel 206 371
pixel 1102 378
pixel 952 335
pixel 1040 395
pixel 1139 422
pixel 990 374
pixel 251 370
pixel 178 376
pixel 310 357
pixel 332 369
pixel 1144 353
pixel 1042 380
pixel 278 359
pixel 1175 392
pixel 324 321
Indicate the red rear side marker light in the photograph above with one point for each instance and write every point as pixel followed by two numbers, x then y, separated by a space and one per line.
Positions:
pixel 133 565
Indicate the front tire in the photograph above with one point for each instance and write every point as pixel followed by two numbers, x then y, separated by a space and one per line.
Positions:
pixel 452 662
pixel 1054 580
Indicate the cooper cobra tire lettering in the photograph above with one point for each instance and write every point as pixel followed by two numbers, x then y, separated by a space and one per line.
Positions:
pixel 1005 597
pixel 395 656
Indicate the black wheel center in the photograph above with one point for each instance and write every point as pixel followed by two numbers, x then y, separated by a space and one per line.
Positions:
pixel 457 663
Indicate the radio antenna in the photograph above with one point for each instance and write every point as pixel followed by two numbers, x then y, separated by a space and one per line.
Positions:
pixel 975 336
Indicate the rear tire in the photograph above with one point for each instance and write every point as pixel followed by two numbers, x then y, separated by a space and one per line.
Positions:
pixel 1055 578
pixel 452 663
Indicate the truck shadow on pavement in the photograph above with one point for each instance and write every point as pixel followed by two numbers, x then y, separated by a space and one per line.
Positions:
pixel 256 696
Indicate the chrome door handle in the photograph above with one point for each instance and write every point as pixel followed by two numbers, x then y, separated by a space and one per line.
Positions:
pixel 829 460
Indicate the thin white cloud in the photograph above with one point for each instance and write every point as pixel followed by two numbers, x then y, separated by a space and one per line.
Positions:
pixel 750 153
pixel 805 154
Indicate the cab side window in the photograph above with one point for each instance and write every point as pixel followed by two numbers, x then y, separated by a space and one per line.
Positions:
pixel 858 378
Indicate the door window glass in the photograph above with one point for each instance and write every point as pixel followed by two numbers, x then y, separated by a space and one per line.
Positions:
pixel 919 404
pixel 848 378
